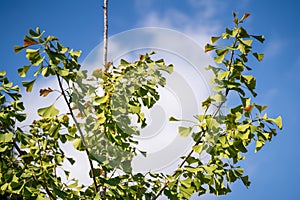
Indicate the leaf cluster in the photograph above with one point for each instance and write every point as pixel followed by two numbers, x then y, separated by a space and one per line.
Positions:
pixel 105 112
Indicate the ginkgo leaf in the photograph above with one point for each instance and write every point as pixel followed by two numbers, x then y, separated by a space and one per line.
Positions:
pixel 45 92
pixel 260 38
pixel 278 122
pixel 49 111
pixel 6 137
pixel 184 131
pixel 209 47
pixel 173 119
pixel 214 39
pixel 28 85
pixel 245 16
pixel 23 71
pixel 258 56
pixel 28 42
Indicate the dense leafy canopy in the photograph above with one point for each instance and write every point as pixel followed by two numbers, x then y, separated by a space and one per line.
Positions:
pixel 101 108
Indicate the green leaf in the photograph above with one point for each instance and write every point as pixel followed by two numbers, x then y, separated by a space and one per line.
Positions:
pixel 186 182
pixel 28 85
pixel 240 146
pixel 6 137
pixel 36 33
pixel 78 144
pixel 247 42
pixel 258 56
pixel 193 169
pixel 184 131
pixel 17 49
pixel 214 39
pixel 260 38
pixel 63 72
pixel 243 33
pixel 206 103
pixel 219 97
pixel 101 100
pixel 246 181
pixel 186 192
pixel 219 59
pixel 97 197
pixel 210 169
pixel 124 62
pixel 260 108
pixel 198 148
pixel 3 149
pixel 243 128
pixel 173 119
pixel 75 53
pixel 33 55
pixel 2 73
pixel 166 68
pixel 209 47
pixel 259 145
pixel 278 122
pixel 221 52
pixel 134 109
pixel 49 111
pixel 23 71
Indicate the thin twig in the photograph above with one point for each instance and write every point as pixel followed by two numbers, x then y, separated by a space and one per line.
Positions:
pixel 105 36
pixel 80 131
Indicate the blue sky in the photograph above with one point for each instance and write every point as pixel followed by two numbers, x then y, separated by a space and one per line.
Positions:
pixel 78 24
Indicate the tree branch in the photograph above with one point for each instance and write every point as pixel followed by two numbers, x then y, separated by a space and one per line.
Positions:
pixel 106 65
pixel 80 131
pixel 105 36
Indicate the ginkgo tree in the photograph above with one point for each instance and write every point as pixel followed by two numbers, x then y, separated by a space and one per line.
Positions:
pixel 101 124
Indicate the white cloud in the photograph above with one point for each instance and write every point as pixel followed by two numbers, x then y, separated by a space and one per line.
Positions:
pixel 199 25
pixel 208 8
pixel 273 48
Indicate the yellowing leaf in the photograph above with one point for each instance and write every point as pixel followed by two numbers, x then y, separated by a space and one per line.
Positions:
pixel 2 73
pixel 75 53
pixel 6 137
pixel 208 48
pixel 23 71
pixel 243 128
pixel 49 111
pixel 258 56
pixel 78 144
pixel 198 148
pixel 63 72
pixel 28 85
pixel 184 131
pixel 214 39
pixel 102 99
pixel 247 42
pixel 278 122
